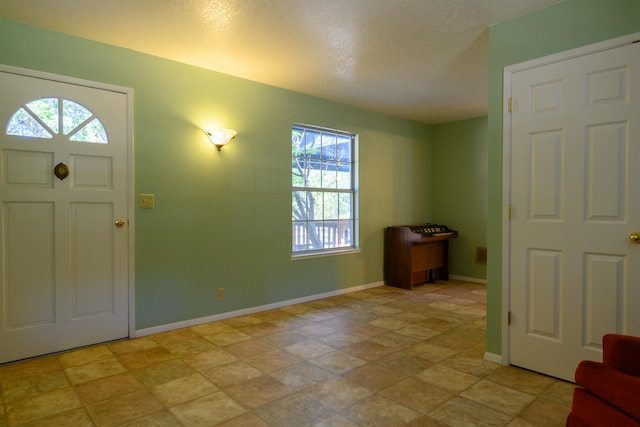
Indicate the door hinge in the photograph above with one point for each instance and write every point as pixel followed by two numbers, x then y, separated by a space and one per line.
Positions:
pixel 508 318
pixel 510 105
pixel 509 212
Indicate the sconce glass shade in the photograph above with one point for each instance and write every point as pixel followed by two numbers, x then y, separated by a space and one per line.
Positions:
pixel 220 137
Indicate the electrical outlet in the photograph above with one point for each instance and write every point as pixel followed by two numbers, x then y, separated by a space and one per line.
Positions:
pixel 220 294
pixel 364 270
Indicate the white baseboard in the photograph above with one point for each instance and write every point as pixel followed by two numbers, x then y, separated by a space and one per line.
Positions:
pixel 492 357
pixel 250 310
pixel 467 279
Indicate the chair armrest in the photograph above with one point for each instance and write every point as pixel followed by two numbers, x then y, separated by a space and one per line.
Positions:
pixel 612 386
pixel 622 352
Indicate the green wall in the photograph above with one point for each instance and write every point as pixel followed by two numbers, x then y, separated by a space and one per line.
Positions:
pixel 459 192
pixel 567 25
pixel 222 219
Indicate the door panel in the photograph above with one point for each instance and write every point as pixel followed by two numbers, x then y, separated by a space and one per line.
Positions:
pixel 573 271
pixel 63 262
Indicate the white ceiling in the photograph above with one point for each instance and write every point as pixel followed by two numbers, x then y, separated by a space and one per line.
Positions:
pixel 424 60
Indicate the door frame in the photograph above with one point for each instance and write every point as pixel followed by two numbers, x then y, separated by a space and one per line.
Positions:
pixel 506 161
pixel 128 92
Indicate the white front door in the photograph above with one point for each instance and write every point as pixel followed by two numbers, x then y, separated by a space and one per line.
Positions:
pixel 63 198
pixel 575 199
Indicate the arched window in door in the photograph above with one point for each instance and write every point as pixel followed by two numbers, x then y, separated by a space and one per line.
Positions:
pixel 46 117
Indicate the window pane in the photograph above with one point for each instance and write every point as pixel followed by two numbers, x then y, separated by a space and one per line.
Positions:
pixel 330 234
pixel 343 178
pixel 46 109
pixel 24 124
pixel 91 132
pixel 312 144
pixel 330 206
pixel 328 147
pixel 314 202
pixel 73 115
pixel 344 149
pixel 315 235
pixel 329 177
pixel 300 236
pixel 300 206
pixel 297 172
pixel 345 207
pixel 345 233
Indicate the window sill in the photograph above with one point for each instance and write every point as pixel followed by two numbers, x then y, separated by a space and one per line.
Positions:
pixel 298 257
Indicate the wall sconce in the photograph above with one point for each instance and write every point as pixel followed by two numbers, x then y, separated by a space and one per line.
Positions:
pixel 220 137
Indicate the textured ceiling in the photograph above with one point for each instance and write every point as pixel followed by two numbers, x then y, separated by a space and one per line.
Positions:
pixel 424 60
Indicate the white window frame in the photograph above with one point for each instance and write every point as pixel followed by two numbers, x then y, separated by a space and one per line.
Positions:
pixel 353 191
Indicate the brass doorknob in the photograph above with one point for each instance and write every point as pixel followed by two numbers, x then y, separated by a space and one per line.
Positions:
pixel 635 237
pixel 120 223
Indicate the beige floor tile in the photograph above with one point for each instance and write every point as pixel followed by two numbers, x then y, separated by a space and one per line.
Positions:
pixel 78 417
pixel 464 412
pixel 520 379
pixel 183 389
pixel 189 347
pixel 404 363
pixel 337 362
pixel 29 368
pixel 240 321
pixel 272 361
pixel 84 356
pixel 498 397
pixel 543 412
pixel 368 350
pixel 249 348
pixel 145 358
pixel 232 373
pixel 296 410
pixel 472 365
pixel 164 372
pixel 157 419
pixel 22 388
pixel 374 377
pixel 245 420
pixel 394 340
pixel 336 421
pixel 41 405
pixel 210 328
pixel 228 337
pixel 175 335
pixel 431 352
pixel 379 411
pixel 308 349
pixel 417 395
pixel 302 375
pixel 449 379
pixel 209 359
pixel 207 411
pixel 132 346
pixel 261 329
pixel 95 370
pixel 418 332
pixel 124 408
pixel 107 388
pixel 337 393
pixel 258 392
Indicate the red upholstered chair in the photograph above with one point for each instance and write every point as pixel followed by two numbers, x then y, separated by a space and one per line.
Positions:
pixel 610 391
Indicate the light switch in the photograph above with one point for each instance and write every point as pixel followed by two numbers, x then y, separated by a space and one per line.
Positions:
pixel 147 201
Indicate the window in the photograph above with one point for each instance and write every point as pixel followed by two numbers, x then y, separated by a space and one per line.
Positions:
pixel 323 190
pixel 45 117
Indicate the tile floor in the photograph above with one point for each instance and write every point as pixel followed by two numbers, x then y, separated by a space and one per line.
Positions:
pixel 380 357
